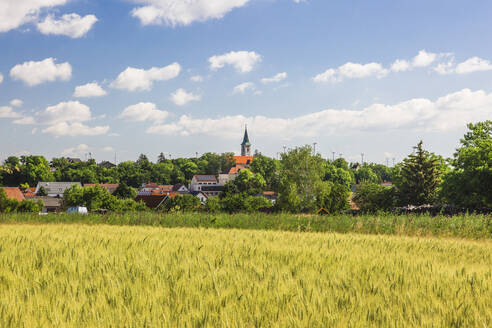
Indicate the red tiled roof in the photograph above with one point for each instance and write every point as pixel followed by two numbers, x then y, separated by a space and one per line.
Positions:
pixel 152 201
pixel 236 169
pixel 29 192
pixel 14 193
pixel 205 177
pixel 243 159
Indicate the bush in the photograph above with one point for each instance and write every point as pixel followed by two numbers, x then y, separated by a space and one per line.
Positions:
pixel 184 202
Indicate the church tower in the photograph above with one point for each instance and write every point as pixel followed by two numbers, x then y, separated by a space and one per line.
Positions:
pixel 246 145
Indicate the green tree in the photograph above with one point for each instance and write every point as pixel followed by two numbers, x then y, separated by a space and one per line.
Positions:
pixel 123 191
pixel 470 183
pixel 372 197
pixel 181 203
pixel 366 175
pixel 269 170
pixel 42 191
pixel 35 169
pixel 419 178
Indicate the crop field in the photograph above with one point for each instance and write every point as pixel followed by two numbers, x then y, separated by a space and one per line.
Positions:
pixel 74 275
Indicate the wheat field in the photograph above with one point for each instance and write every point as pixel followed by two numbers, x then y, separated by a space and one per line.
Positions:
pixel 109 276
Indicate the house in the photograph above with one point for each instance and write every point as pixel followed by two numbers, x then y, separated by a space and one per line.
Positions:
pixel 155 189
pixel 200 180
pixel 152 201
pixel 203 198
pixel 55 189
pixel 50 204
pixel 211 191
pixel 225 178
pixel 106 164
pixel 387 184
pixel 13 193
pixel 29 192
pixel 110 187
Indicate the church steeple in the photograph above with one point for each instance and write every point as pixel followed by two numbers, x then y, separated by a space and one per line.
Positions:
pixel 246 145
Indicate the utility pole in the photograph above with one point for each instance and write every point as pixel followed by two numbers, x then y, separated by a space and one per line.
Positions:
pixel 393 161
pixel 314 147
pixel 362 155
pixel 285 147
pixel 387 162
pixel 196 154
pixel 333 155
pixel 340 155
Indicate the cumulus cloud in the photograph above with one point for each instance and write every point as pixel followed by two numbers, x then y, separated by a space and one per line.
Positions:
pixel 26 120
pixel 196 78
pixel 36 72
pixel 136 79
pixel 180 97
pixel 16 102
pixel 401 65
pixel 78 151
pixel 474 64
pixel 142 112
pixel 71 25
pixel 424 59
pixel 179 12
pixel 89 90
pixel 274 79
pixel 14 13
pixel 243 87
pixel 65 119
pixel 75 129
pixel 242 61
pixel 446 113
pixel 351 71
pixel 8 112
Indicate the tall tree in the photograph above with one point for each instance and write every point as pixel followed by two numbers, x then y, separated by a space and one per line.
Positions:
pixel 470 183
pixel 419 178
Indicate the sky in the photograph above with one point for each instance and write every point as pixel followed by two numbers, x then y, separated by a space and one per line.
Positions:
pixel 118 78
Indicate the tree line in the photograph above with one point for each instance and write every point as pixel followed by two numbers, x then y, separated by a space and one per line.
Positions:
pixel 302 180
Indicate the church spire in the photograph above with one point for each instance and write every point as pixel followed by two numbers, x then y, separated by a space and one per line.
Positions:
pixel 246 145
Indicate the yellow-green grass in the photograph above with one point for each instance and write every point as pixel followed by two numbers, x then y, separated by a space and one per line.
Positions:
pixel 111 276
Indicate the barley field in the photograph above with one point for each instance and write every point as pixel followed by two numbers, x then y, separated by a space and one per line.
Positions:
pixel 73 275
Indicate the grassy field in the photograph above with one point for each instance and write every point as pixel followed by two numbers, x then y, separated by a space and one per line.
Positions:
pixel 73 275
pixel 463 226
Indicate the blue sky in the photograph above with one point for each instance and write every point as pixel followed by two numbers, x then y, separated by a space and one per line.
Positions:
pixel 353 76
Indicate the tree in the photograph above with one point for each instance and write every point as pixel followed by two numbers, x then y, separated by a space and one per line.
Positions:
pixel 161 158
pixel 366 175
pixel 97 198
pixel 42 191
pixel 470 183
pixel 35 169
pixel 304 170
pixel 268 168
pixel 419 178
pixel 123 191
pixel 371 197
pixel 181 203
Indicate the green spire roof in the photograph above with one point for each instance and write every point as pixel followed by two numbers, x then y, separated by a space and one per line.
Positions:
pixel 246 138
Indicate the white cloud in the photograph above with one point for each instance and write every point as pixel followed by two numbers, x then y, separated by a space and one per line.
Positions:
pixel 16 102
pixel 133 79
pixel 70 111
pixel 114 134
pixel 180 97
pixel 26 120
pixel 142 112
pixel 1 78
pixel 274 79
pixel 78 151
pixel 14 13
pixel 196 78
pixel 400 65
pixel 65 119
pixel 71 25
pixel 107 149
pixel 474 64
pixel 8 112
pixel 243 87
pixel 424 59
pixel 75 129
pixel 183 12
pixel 89 90
pixel 242 61
pixel 33 73
pixel 452 111
pixel 351 71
